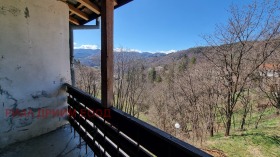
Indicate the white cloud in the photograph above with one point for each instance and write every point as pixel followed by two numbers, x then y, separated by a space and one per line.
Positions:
pixel 169 51
pixel 136 50
pixel 118 49
pixel 86 47
pixel 126 50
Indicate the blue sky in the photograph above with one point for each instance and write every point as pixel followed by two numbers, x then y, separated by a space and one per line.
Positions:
pixel 161 25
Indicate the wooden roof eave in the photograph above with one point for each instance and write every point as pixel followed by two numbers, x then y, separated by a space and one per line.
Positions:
pixel 78 17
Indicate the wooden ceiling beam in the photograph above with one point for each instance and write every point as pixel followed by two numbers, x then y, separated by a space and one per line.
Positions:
pixel 79 7
pixel 78 12
pixel 90 6
pixel 73 20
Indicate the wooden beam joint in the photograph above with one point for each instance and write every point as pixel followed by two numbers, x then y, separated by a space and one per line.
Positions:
pixel 78 12
pixel 73 20
pixel 90 6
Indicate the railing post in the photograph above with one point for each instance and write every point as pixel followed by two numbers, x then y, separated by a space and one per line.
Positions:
pixel 107 57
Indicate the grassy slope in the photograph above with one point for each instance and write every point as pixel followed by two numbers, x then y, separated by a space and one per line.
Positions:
pixel 264 141
pixel 261 142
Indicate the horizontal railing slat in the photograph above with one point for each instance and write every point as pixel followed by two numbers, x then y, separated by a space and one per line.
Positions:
pixel 155 140
pixel 125 144
pixel 86 138
pixel 151 138
pixel 94 133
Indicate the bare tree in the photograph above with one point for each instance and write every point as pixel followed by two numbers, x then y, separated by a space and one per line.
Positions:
pixel 211 95
pixel 130 83
pixel 245 99
pixel 162 114
pixel 240 47
pixel 88 79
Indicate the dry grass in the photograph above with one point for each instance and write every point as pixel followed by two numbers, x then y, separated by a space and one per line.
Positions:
pixel 261 142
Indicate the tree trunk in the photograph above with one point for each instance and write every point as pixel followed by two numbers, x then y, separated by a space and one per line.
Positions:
pixel 228 125
pixel 259 119
pixel 243 121
pixel 211 130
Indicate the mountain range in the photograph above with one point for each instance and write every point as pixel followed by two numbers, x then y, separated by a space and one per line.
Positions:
pixel 92 57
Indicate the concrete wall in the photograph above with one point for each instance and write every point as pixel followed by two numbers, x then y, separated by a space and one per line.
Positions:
pixel 34 62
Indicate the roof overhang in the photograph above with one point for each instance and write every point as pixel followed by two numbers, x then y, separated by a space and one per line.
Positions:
pixel 84 11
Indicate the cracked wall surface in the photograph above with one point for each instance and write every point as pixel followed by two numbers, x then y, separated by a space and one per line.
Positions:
pixel 34 63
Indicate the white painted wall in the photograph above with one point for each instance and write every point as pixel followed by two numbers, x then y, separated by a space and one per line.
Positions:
pixel 34 63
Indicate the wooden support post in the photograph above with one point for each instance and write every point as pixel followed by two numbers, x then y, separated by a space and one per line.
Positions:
pixel 71 48
pixel 107 57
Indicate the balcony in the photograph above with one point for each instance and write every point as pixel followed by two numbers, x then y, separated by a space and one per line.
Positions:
pixel 35 61
pixel 99 131
pixel 111 132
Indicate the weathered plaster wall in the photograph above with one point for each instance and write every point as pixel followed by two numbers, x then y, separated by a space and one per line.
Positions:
pixel 34 62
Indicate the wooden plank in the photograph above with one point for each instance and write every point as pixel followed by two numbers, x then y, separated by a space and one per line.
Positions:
pixel 156 141
pixel 78 12
pixel 73 20
pixel 97 151
pixel 85 98
pixel 107 57
pixel 79 7
pixel 108 146
pixel 124 143
pixel 90 6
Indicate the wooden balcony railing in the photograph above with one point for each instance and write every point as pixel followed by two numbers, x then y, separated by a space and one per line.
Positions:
pixel 111 132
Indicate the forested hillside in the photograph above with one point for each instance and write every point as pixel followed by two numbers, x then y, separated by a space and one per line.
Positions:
pixel 225 96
